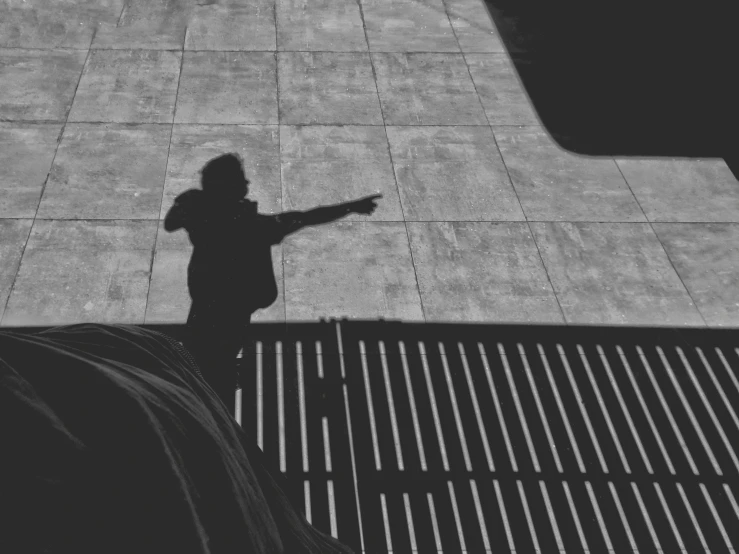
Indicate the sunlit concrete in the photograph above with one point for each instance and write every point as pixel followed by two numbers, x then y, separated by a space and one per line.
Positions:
pixel 108 109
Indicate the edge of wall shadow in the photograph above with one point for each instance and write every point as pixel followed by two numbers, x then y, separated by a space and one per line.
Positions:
pixel 270 337
pixel 627 79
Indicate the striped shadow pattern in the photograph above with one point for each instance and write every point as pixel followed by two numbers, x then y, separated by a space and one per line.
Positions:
pixel 404 437
pixel 400 437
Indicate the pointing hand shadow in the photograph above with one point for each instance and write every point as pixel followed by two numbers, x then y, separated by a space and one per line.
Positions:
pixel 366 205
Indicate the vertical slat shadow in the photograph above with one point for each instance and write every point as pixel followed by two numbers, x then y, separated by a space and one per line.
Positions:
pixel 430 480
pixel 514 425
pixel 634 519
pixel 693 445
pixel 492 515
pixel 516 515
pixel 421 514
pixel 563 516
pixel 324 400
pixel 399 527
pixel 644 434
pixel 458 472
pixel 652 400
pixel 706 522
pixel 291 406
pixel 367 483
pixel 540 346
pixel 270 445
pixel 713 448
pixel 558 352
pixel 380 405
pixel 464 400
pixel 445 516
pixel 719 386
pixel 587 516
pixel 247 382
pixel 315 407
pixel 539 515
pixel 410 456
pixel 718 378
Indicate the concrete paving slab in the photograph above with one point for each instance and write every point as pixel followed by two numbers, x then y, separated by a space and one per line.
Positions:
pixel 503 97
pixel 706 257
pixel 107 171
pixel 59 24
pixel 193 146
pixel 327 25
pixel 556 185
pixel 515 29
pixel 38 85
pixel 426 89
pixel 100 273
pixel 452 174
pixel 13 237
pixel 327 88
pixel 472 271
pixel 232 26
pixel 688 190
pixel 613 273
pixel 127 86
pixel 147 24
pixel 26 152
pixel 408 26
pixel 228 88
pixel 437 75
pixel 353 269
pixel 473 26
pixel 169 300
pixel 324 165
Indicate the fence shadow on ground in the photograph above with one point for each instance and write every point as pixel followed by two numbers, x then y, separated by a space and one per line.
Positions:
pixel 420 437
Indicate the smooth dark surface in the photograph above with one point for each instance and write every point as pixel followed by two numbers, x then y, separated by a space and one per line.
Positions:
pixel 628 78
pixel 113 443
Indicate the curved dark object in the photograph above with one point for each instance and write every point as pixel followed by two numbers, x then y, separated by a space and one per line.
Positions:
pixel 113 443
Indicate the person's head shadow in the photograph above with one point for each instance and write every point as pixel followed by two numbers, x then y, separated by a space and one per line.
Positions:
pixel 223 180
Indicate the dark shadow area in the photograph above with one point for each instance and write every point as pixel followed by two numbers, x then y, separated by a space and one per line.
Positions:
pixel 112 442
pixel 231 274
pixel 477 430
pixel 628 78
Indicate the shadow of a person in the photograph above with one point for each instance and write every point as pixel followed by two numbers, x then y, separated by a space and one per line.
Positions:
pixel 230 274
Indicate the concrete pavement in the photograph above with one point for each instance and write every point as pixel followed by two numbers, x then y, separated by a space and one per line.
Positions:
pixel 108 109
